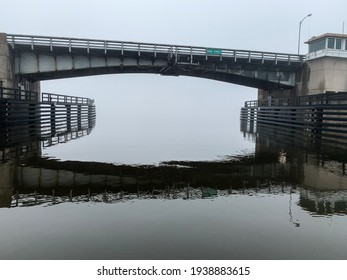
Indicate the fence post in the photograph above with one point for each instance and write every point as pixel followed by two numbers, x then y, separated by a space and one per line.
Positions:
pixel 79 117
pixel 68 117
pixel 53 118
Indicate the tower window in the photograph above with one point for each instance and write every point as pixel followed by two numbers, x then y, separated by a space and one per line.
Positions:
pixel 331 43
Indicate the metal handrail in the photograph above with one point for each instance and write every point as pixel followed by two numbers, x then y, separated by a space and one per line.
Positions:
pixel 123 46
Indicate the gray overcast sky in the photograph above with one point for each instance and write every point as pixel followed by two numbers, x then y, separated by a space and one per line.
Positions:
pixel 248 24
pixel 269 25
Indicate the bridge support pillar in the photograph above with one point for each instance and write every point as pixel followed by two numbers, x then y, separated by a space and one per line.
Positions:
pixel 7 76
pixel 323 75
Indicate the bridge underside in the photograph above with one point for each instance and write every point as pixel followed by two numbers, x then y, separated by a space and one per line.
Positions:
pixel 41 64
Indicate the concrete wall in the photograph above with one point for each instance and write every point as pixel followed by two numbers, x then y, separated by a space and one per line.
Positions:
pixel 276 93
pixel 8 78
pixel 6 63
pixel 321 75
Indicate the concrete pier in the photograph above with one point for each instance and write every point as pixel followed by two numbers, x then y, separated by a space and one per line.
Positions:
pixel 7 76
pixel 324 69
pixel 323 75
pixel 320 75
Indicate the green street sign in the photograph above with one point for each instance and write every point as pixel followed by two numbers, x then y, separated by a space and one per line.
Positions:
pixel 214 51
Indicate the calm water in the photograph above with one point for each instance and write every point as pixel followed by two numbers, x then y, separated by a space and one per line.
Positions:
pixel 143 190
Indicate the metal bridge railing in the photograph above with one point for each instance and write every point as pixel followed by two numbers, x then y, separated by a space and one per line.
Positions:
pixel 148 48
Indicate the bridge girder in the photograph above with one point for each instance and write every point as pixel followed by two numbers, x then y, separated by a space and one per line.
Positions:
pixel 38 66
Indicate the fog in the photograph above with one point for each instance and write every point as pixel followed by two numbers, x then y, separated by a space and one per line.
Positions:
pixel 141 106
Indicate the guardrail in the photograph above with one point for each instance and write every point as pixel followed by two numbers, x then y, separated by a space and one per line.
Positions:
pixel 139 49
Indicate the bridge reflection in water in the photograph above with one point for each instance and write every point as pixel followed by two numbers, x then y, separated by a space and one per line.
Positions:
pixel 286 162
pixel 20 143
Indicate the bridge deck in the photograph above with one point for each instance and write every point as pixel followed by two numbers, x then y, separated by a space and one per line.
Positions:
pixel 155 50
pixel 44 58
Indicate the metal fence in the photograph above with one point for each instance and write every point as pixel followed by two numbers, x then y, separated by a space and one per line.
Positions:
pixel 65 99
pixel 307 100
pixel 18 94
pixel 321 114
pixel 23 116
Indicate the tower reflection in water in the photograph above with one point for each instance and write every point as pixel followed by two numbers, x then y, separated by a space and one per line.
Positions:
pixel 285 162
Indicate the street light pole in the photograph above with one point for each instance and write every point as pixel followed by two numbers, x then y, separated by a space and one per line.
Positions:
pixel 300 31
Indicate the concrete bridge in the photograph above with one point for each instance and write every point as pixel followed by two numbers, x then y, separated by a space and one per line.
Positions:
pixel 37 58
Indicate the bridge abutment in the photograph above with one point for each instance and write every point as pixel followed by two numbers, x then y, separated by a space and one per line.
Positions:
pixel 320 75
pixel 7 75
pixel 323 75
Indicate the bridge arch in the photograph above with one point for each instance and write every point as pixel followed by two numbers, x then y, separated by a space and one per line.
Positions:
pixel 44 58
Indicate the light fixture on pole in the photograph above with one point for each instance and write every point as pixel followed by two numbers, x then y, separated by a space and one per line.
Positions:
pixel 300 31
